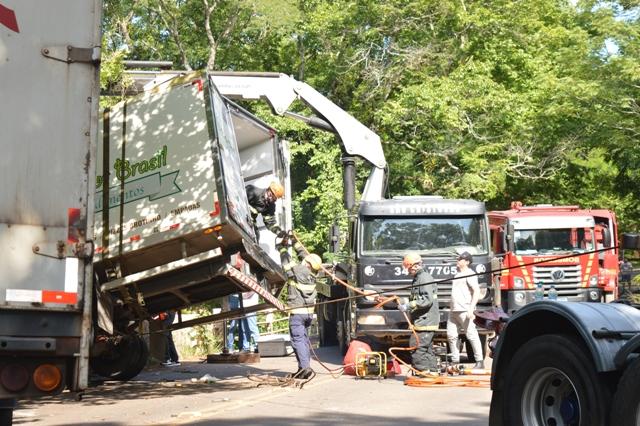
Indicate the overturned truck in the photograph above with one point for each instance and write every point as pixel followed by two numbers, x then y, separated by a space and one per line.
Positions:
pixel 172 222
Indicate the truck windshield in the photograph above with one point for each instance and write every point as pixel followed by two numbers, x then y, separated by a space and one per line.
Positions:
pixel 545 241
pixel 434 235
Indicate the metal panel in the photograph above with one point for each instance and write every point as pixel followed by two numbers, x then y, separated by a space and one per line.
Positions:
pixel 159 144
pixel 48 121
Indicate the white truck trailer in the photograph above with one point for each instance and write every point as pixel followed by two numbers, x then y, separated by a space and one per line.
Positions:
pixel 48 120
pixel 172 222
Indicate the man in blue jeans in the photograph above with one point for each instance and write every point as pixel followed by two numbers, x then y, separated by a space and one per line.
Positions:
pixel 236 327
pixel 250 323
pixel 245 328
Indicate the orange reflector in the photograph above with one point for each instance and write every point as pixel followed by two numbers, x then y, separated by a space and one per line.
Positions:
pixel 217 227
pixel 135 238
pixel 47 377
pixel 208 231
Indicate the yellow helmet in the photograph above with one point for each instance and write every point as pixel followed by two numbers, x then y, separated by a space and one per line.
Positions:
pixel 411 259
pixel 314 261
pixel 277 189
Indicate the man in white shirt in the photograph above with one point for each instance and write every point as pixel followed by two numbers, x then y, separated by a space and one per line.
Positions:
pixel 465 293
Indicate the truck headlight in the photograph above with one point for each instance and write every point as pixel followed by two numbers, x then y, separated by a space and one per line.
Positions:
pixel 519 298
pixel 593 280
pixel 594 295
pixel 518 282
pixel 371 320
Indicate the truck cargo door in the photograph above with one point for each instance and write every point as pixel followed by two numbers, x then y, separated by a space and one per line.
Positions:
pixel 236 197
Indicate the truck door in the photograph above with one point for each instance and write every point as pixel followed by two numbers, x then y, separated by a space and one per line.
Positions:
pixel 236 197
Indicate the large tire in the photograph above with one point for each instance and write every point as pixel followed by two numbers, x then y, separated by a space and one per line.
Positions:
pixel 496 409
pixel 124 361
pixel 551 381
pixel 625 410
pixel 137 365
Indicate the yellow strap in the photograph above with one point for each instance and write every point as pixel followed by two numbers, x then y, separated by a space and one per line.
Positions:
pixel 425 328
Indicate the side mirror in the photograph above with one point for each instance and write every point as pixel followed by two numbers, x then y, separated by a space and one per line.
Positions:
pixel 631 241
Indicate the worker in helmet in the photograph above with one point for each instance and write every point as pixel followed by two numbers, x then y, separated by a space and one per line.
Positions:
pixel 262 201
pixel 301 291
pixel 425 315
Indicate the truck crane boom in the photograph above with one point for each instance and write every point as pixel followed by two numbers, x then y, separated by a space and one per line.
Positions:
pixel 280 91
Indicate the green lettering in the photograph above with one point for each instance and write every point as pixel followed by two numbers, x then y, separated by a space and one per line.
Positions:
pixel 143 166
pixel 123 171
pixel 163 156
pixel 153 163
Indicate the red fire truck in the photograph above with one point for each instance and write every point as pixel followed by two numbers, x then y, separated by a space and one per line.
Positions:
pixel 569 248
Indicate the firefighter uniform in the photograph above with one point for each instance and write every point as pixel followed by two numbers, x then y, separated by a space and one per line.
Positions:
pixel 425 316
pixel 260 204
pixel 301 289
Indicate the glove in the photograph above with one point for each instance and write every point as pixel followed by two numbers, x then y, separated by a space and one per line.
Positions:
pixel 403 307
pixel 281 233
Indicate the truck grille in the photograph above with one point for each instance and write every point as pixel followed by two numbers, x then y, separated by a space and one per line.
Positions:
pixel 567 286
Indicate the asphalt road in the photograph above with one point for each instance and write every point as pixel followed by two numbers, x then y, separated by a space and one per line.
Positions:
pixel 168 396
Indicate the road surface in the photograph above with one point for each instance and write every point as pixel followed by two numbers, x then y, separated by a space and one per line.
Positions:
pixel 168 396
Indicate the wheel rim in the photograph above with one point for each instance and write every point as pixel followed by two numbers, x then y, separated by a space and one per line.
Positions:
pixel 550 399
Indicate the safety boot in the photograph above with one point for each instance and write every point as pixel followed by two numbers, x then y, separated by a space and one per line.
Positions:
pixel 303 373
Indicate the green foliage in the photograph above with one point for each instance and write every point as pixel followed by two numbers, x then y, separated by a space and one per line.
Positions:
pixel 497 101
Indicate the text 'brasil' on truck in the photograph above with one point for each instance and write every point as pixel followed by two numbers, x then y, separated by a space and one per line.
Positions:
pixel 573 249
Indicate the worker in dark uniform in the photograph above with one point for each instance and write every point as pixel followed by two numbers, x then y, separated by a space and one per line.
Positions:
pixel 425 315
pixel 301 291
pixel 263 202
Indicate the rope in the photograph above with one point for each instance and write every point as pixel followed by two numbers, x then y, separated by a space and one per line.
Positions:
pixel 290 380
pixel 424 379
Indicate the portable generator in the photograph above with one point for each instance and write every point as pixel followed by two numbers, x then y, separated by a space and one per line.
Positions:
pixel 371 364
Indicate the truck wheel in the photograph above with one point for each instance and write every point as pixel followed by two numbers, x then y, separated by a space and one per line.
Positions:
pixel 123 361
pixel 625 410
pixel 136 366
pixel 496 409
pixel 550 381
